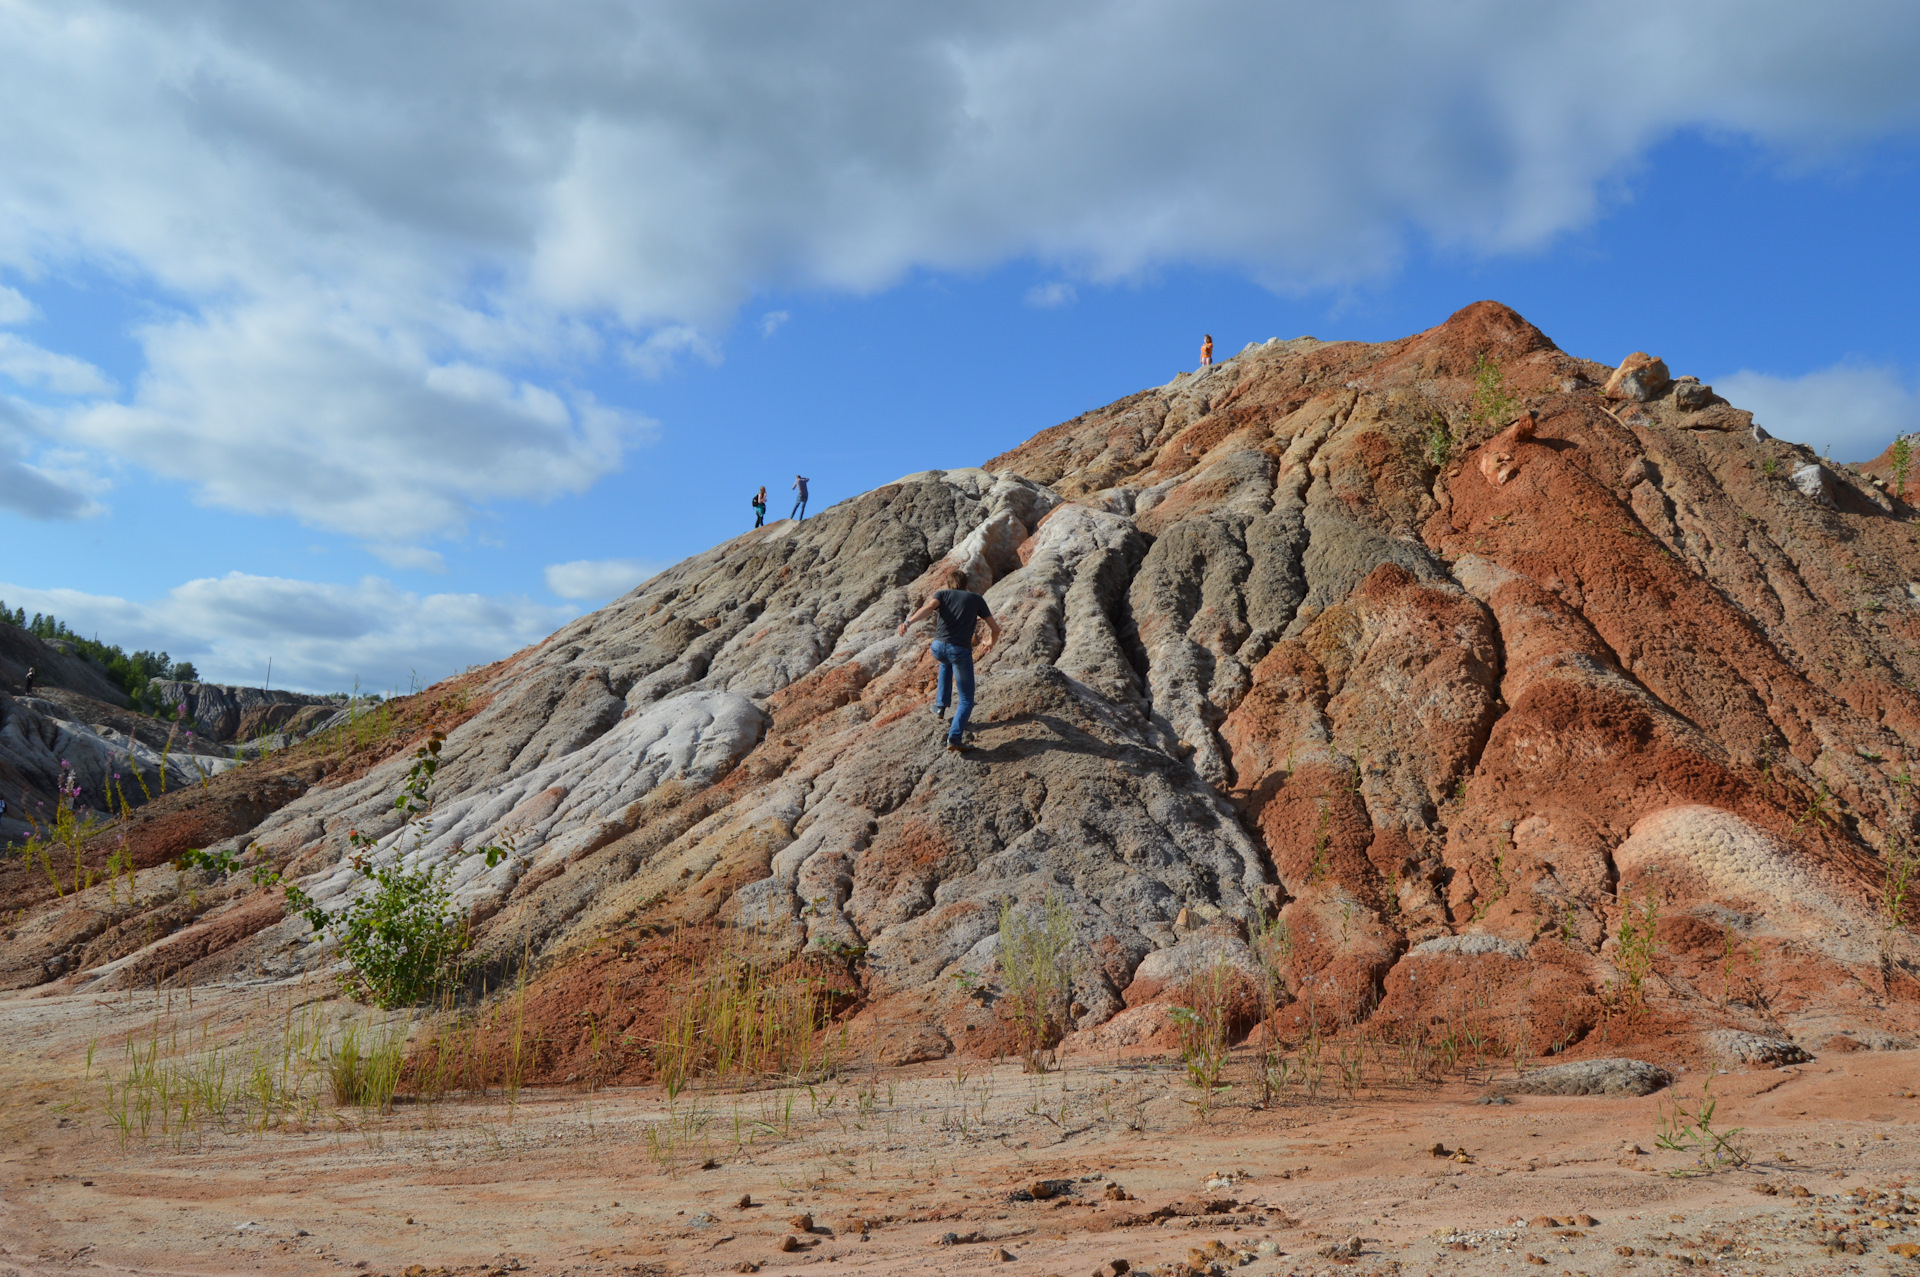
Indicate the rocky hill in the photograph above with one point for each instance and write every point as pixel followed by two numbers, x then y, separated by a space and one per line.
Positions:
pixel 74 728
pixel 1495 674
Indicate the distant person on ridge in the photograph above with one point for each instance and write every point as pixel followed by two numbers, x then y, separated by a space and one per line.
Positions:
pixel 760 507
pixel 29 688
pixel 959 608
pixel 800 506
pixel 1206 351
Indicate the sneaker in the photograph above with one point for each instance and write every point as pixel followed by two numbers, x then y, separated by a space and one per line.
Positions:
pixel 940 712
pixel 955 746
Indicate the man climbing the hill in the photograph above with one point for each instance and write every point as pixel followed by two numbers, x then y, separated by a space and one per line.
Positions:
pixel 958 609
pixel 800 506
pixel 1206 351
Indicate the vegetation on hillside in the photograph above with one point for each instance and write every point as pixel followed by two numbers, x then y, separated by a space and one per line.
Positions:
pixel 130 672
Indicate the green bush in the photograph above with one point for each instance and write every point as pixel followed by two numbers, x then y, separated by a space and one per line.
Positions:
pixel 405 938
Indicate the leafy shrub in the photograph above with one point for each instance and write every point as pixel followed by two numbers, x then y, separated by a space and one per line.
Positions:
pixel 403 938
pixel 1492 406
pixel 1440 442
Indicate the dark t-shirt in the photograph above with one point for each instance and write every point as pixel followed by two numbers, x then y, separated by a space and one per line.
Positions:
pixel 956 614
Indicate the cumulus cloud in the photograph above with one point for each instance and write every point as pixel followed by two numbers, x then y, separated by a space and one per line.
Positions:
pixel 771 321
pixel 320 637
pixel 1051 295
pixel 388 236
pixel 1852 409
pixel 598 578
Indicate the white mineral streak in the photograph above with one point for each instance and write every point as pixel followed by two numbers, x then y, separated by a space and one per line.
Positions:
pixel 568 805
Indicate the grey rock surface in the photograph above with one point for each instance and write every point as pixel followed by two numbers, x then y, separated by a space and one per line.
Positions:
pixel 1691 396
pixel 1752 1048
pixel 1588 1077
pixel 224 713
pixel 1469 946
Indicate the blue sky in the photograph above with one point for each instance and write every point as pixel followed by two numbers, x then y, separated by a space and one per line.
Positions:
pixel 382 346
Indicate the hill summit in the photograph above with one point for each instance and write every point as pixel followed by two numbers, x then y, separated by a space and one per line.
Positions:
pixel 1483 671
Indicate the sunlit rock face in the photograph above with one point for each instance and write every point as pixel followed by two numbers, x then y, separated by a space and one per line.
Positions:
pixel 1438 677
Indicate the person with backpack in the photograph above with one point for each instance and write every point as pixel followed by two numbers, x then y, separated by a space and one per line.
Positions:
pixel 760 507
pixel 958 609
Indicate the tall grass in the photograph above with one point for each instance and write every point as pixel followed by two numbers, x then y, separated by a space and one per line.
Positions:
pixel 1037 972
pixel 742 1015
pixel 1205 1020
pixel 363 1068
pixel 474 1052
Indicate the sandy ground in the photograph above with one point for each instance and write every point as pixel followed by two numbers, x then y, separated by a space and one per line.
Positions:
pixel 622 1181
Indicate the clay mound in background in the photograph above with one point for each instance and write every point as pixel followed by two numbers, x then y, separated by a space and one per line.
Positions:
pixel 1302 634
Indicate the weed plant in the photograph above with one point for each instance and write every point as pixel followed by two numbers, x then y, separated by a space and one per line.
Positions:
pixel 1684 1129
pixel 1037 972
pixel 1204 1017
pixel 59 849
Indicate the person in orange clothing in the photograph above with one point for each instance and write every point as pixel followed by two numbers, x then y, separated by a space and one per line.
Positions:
pixel 1206 351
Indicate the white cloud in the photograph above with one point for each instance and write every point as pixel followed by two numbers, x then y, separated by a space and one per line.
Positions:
pixel 661 351
pixel 51 487
pixel 1853 410
pixel 771 321
pixel 320 637
pixel 390 235
pixel 277 408
pixel 29 365
pixel 599 579
pixel 1051 295
pixel 14 307
pixel 409 556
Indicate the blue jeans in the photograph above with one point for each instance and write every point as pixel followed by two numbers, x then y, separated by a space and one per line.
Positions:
pixel 799 509
pixel 956 666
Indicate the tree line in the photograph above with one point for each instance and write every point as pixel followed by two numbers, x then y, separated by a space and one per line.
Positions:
pixel 131 672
